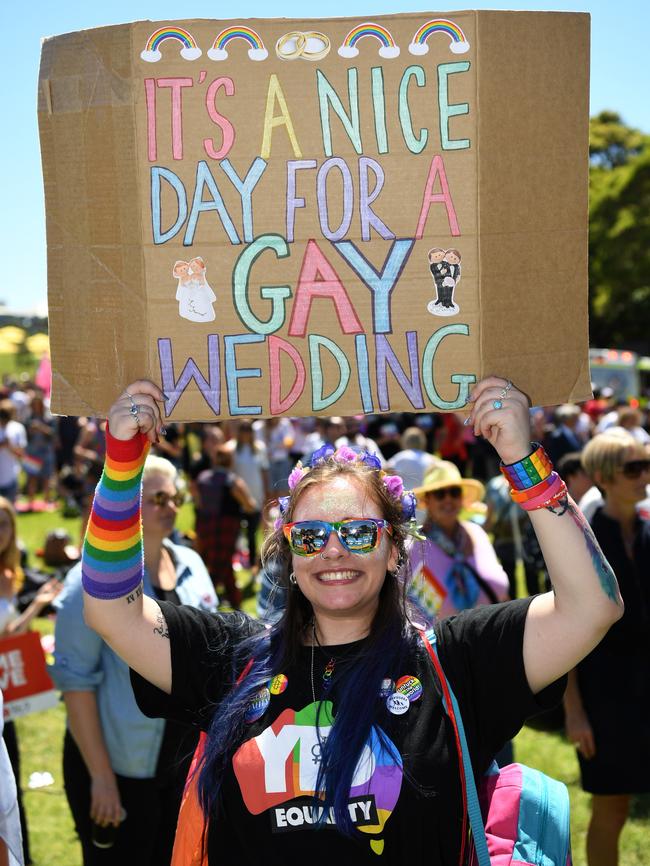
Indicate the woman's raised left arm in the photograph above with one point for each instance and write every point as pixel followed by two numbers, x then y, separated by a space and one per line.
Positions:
pixel 563 625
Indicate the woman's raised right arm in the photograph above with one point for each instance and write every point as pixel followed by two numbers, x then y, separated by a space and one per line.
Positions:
pixel 113 555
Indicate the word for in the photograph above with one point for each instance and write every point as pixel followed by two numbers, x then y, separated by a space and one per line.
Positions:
pixel 206 197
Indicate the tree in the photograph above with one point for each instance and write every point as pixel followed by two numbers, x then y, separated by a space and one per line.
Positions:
pixel 619 235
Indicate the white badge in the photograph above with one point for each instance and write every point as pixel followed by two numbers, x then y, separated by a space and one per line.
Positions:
pixel 398 704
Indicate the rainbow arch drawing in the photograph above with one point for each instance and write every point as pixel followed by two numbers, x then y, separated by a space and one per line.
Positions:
pixel 256 50
pixel 458 43
pixel 189 49
pixel 387 46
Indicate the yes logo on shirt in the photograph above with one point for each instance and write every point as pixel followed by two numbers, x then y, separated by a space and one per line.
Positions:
pixel 280 765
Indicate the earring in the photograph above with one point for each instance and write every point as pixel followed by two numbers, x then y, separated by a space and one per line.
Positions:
pixel 292 578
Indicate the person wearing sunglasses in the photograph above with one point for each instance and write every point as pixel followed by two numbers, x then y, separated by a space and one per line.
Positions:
pixel 604 703
pixel 116 761
pixel 325 736
pixel 456 568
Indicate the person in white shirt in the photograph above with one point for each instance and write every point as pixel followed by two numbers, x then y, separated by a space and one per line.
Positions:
pixel 11 845
pixel 13 441
pixel 413 462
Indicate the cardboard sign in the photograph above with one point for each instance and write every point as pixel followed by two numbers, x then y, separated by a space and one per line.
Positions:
pixel 24 680
pixel 325 216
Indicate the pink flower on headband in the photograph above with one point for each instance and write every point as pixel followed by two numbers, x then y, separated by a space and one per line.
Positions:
pixel 395 485
pixel 346 455
pixel 295 475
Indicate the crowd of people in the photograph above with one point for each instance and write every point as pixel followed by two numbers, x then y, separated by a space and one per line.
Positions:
pixel 131 736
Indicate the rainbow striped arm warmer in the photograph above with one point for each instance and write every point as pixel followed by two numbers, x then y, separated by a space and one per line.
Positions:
pixel 112 563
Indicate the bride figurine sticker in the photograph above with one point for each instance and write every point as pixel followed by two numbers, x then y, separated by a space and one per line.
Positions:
pixel 194 295
pixel 445 270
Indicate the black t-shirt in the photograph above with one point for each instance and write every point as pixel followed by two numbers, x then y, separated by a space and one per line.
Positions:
pixel 408 812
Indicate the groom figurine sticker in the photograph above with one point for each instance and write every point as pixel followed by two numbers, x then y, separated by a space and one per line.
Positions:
pixel 445 270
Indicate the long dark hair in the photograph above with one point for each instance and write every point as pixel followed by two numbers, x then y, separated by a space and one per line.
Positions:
pixel 381 655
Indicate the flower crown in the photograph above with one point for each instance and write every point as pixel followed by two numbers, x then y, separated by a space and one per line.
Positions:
pixel 344 454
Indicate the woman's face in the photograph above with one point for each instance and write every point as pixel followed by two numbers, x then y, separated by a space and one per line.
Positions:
pixel 158 519
pixel 623 490
pixel 6 531
pixel 337 582
pixel 444 506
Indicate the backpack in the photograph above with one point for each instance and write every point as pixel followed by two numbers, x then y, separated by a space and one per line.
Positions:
pixel 518 816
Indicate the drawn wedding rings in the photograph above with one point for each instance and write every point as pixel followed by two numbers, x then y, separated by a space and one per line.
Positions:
pixel 297 45
pixel 498 403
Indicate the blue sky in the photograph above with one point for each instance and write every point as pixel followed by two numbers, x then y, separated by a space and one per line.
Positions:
pixel 620 80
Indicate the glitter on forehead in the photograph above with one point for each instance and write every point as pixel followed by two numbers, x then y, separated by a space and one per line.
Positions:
pixel 337 499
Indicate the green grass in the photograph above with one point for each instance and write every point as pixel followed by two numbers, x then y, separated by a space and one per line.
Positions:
pixel 41 737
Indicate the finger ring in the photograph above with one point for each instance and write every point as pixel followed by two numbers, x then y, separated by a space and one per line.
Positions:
pixel 497 404
pixel 505 389
pixel 134 410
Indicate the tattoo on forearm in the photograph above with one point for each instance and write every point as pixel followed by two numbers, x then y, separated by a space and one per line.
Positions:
pixel 132 596
pixel 602 567
pixel 161 627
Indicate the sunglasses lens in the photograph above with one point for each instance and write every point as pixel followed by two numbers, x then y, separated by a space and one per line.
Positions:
pixel 635 468
pixel 162 499
pixel 360 536
pixel 455 492
pixel 308 537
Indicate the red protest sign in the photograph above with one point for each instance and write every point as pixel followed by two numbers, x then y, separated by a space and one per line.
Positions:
pixel 24 679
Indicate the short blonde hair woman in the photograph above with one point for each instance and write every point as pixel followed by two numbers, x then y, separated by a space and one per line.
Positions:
pixel 609 686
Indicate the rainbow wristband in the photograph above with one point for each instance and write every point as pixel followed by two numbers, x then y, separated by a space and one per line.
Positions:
pixel 112 563
pixel 533 492
pixel 530 471
pixel 548 497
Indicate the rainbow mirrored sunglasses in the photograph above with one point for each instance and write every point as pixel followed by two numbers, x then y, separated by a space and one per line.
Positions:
pixel 357 535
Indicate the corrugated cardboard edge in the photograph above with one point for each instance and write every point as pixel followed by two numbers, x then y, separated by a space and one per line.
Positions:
pixel 517 342
pixel 114 349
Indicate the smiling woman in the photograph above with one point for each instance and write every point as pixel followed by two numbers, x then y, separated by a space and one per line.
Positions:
pixel 333 717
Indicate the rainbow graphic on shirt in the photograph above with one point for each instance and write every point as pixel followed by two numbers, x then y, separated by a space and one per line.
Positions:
pixel 388 48
pixel 189 50
pixel 256 50
pixel 277 771
pixel 458 43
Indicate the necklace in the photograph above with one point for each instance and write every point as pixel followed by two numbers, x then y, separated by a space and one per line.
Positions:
pixel 329 667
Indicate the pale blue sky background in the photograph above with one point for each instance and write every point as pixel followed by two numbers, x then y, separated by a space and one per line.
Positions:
pixel 620 79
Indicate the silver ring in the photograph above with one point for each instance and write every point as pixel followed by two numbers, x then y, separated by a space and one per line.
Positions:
pixel 322 555
pixel 134 410
pixel 497 404
pixel 505 389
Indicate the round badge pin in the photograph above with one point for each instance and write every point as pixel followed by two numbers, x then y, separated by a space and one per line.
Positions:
pixel 386 688
pixel 398 704
pixel 257 706
pixel 409 686
pixel 278 684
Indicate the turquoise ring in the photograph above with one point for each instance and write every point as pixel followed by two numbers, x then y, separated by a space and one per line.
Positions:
pixel 497 404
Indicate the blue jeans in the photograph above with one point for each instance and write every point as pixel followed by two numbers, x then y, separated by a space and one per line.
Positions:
pixel 9 491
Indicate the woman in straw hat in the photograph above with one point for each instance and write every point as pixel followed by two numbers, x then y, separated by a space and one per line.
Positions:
pixel 456 567
pixel 325 735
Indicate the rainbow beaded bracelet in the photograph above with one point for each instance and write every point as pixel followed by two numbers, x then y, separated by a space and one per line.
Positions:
pixel 530 471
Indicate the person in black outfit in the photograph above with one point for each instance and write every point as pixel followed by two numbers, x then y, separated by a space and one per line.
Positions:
pixel 334 713
pixel 609 692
